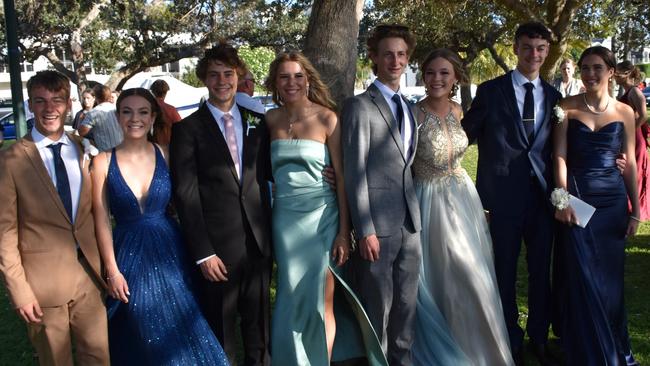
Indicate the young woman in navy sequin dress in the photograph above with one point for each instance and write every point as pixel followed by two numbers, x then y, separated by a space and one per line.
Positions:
pixel 154 318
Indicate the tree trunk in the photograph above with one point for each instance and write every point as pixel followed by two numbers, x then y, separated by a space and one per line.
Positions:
pixel 553 60
pixel 331 43
pixel 76 46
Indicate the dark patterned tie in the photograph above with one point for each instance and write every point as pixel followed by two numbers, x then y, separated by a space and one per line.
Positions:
pixel 400 112
pixel 62 182
pixel 529 112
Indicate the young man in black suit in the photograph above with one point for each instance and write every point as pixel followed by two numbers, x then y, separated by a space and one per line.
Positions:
pixel 220 167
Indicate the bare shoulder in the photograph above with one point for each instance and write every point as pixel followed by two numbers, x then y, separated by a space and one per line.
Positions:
pixel 571 102
pixel 624 111
pixel 635 92
pixel 164 150
pixel 100 163
pixel 272 117
pixel 457 110
pixel 326 117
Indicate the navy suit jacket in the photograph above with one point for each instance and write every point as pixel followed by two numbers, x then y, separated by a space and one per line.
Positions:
pixel 506 157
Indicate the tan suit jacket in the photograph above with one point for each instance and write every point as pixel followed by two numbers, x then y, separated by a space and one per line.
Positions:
pixel 38 255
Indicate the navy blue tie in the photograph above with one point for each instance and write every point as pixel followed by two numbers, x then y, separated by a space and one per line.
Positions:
pixel 529 111
pixel 400 111
pixel 62 182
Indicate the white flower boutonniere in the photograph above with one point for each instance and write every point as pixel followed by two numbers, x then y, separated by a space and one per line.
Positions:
pixel 558 114
pixel 89 150
pixel 252 122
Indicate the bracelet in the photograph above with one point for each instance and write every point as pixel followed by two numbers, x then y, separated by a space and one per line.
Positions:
pixel 560 198
pixel 108 278
pixel 635 218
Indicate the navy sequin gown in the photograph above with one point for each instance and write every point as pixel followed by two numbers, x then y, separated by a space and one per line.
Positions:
pixel 594 321
pixel 161 324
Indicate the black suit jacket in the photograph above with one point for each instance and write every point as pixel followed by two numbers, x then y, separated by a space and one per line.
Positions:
pixel 217 213
pixel 506 157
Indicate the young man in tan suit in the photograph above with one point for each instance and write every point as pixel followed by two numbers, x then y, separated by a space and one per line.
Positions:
pixel 49 260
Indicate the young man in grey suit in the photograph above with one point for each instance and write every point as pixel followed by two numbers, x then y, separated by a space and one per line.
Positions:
pixel 379 139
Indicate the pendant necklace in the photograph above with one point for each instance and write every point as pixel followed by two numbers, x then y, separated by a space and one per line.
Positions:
pixel 592 109
pixel 290 129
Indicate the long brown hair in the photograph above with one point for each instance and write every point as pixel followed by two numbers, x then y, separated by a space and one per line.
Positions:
pixel 318 92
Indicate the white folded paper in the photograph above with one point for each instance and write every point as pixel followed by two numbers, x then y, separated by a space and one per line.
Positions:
pixel 583 210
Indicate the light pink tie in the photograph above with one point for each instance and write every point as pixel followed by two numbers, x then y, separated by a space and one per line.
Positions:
pixel 231 140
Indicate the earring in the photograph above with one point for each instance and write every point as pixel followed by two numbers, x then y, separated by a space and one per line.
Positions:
pixel 454 89
pixel 308 90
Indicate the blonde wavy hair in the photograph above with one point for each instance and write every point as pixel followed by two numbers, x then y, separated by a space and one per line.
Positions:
pixel 318 92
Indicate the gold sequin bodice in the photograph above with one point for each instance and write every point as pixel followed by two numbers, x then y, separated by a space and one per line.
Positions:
pixel 441 146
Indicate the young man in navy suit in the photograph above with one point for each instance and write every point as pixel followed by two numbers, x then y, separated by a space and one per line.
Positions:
pixel 510 119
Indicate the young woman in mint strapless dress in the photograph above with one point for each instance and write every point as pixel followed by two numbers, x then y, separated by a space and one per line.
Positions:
pixel 153 316
pixel 316 318
pixel 594 130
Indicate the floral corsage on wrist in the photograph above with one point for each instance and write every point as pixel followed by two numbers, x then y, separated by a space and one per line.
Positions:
pixel 89 150
pixel 251 122
pixel 560 198
pixel 558 114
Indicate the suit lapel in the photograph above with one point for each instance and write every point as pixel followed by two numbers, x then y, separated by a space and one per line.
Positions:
pixel 212 127
pixel 414 129
pixel 248 145
pixel 37 163
pixel 85 195
pixel 387 115
pixel 509 93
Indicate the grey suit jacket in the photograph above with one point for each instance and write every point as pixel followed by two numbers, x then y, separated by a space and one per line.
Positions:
pixel 378 177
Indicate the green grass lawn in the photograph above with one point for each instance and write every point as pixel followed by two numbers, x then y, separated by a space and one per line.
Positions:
pixel 16 350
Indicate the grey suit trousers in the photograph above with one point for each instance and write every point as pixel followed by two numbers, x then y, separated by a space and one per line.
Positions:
pixel 390 300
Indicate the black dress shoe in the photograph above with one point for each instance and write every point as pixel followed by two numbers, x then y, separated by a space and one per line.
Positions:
pixel 518 356
pixel 543 356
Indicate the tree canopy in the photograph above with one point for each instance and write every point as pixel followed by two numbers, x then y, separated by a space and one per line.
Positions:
pixel 123 37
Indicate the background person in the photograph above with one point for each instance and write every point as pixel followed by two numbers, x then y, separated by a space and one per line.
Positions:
pixel 245 91
pixel 87 104
pixel 100 124
pixel 567 85
pixel 627 76
pixel 162 130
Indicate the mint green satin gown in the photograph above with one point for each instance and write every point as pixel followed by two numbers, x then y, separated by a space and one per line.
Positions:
pixel 305 223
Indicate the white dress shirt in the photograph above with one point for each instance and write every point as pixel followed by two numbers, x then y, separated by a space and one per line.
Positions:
pixel 407 134
pixel 70 156
pixel 518 81
pixel 239 130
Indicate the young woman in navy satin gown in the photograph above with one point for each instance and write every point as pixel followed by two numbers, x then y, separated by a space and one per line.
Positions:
pixel 594 130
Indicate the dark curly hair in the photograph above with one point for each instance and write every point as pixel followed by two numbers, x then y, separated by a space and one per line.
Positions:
pixel 224 53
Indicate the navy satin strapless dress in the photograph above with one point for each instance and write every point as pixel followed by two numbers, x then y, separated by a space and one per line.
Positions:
pixel 161 324
pixel 594 320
